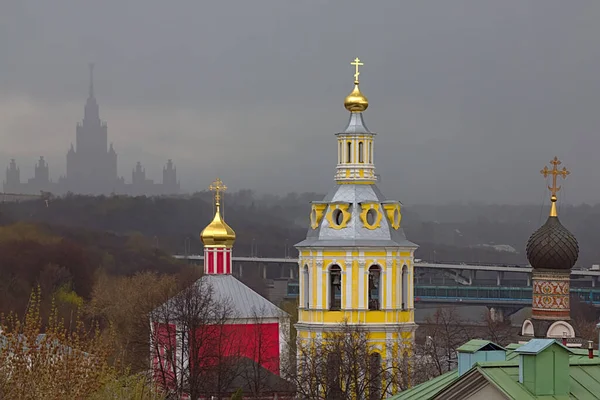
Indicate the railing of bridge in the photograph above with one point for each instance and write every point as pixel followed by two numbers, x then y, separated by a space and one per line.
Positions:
pixel 478 294
pixel 498 294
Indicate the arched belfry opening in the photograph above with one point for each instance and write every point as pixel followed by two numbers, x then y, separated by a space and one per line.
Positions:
pixel 335 288
pixel 361 152
pixel 349 153
pixel 404 287
pixel 375 378
pixel 306 287
pixel 374 287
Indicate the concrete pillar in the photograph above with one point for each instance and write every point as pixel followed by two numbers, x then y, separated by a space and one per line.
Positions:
pixel 496 314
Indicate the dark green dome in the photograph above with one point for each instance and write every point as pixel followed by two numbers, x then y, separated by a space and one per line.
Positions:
pixel 552 247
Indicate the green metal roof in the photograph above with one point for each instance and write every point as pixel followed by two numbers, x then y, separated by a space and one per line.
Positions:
pixel 504 375
pixel 427 390
pixel 535 346
pixel 475 345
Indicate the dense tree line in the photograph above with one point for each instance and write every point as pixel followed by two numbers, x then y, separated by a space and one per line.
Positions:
pixel 66 262
pixel 269 225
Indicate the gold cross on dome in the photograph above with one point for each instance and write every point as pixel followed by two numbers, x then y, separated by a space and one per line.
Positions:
pixel 356 64
pixel 555 172
pixel 218 187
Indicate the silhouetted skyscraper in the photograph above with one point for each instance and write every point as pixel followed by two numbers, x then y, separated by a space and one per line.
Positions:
pixel 13 177
pixel 170 183
pixel 91 164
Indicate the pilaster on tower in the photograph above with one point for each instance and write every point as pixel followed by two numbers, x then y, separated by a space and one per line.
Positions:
pixel 218 238
pixel 355 143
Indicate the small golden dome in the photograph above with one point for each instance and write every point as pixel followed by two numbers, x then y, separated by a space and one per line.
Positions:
pixel 356 102
pixel 218 233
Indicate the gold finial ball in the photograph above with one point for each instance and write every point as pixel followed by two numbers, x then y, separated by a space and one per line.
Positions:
pixel 356 102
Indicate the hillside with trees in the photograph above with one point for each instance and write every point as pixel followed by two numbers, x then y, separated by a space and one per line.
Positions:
pixel 269 225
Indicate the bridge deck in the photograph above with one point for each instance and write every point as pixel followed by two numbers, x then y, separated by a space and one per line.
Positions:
pixel 451 266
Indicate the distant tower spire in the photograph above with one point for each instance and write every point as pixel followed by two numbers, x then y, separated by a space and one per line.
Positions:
pixel 91 65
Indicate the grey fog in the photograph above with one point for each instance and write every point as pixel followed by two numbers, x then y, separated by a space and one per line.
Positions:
pixel 470 99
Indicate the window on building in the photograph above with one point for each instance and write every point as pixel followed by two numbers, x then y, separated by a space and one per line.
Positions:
pixel 361 152
pixel 306 286
pixel 334 390
pixel 341 155
pixel 374 287
pixel 404 287
pixel 335 288
pixel 370 152
pixel 375 380
pixel 349 153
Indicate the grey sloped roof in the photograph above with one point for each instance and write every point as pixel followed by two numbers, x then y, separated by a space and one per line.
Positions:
pixel 355 234
pixel 356 124
pixel 246 303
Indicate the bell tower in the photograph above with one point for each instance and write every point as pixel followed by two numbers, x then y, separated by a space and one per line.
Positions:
pixel 356 265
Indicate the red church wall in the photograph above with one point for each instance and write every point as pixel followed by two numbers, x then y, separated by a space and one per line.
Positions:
pixel 163 353
pixel 258 342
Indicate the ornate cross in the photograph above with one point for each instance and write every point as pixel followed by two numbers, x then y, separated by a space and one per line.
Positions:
pixel 555 172
pixel 356 64
pixel 218 187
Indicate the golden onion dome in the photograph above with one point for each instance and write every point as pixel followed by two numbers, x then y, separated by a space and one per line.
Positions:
pixel 218 233
pixel 356 102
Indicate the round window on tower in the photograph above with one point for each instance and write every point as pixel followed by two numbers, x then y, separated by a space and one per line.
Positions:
pixel 371 216
pixel 338 216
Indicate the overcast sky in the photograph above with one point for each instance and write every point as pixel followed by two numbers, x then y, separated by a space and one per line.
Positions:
pixel 470 99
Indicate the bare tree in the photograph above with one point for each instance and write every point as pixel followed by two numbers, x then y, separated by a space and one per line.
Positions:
pixel 445 331
pixel 345 363
pixel 124 304
pixel 498 330
pixel 193 352
pixel 584 317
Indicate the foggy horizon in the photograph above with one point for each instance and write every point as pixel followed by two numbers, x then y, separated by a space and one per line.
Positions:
pixel 469 100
